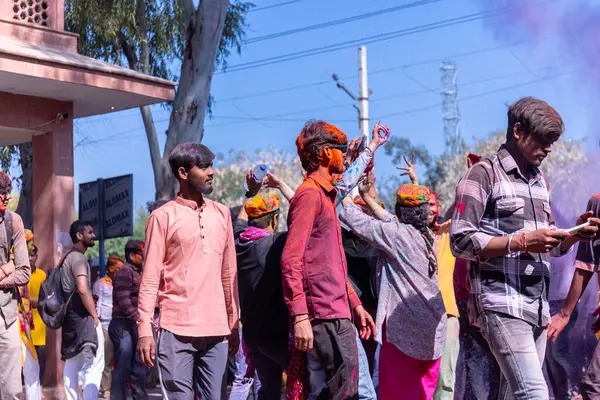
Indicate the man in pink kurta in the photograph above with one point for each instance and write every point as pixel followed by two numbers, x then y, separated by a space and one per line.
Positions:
pixel 191 265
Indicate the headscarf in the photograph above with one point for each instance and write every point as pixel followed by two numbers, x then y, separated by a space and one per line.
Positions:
pixel 262 204
pixel 415 196
pixel 412 195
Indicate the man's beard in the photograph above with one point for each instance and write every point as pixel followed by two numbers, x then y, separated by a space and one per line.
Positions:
pixel 338 168
pixel 200 188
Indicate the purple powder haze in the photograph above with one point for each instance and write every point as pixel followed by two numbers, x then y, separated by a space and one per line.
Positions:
pixel 560 29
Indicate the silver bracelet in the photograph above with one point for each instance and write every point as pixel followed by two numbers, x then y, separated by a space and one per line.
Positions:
pixel 510 238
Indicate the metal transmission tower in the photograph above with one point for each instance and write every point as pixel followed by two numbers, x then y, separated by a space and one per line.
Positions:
pixel 451 116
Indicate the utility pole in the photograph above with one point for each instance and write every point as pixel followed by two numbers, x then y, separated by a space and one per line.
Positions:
pixel 451 114
pixel 363 113
pixel 364 92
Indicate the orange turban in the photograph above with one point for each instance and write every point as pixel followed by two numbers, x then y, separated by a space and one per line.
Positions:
pixel 412 195
pixel 262 204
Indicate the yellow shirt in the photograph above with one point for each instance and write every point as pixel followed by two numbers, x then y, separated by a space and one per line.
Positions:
pixel 39 332
pixel 446 263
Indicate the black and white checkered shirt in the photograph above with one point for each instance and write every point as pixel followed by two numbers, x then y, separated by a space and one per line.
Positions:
pixel 495 199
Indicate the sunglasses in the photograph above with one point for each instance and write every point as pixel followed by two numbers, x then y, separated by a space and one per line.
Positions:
pixel 341 147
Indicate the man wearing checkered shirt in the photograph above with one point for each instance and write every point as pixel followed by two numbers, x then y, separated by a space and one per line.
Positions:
pixel 503 224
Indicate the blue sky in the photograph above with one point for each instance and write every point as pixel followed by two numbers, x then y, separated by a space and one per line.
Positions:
pixel 491 73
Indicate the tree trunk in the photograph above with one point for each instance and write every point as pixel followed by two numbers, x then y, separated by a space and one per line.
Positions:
pixel 204 31
pixel 144 67
pixel 25 206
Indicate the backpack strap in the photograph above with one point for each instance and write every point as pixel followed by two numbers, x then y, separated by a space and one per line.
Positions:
pixel 8 227
pixel 60 265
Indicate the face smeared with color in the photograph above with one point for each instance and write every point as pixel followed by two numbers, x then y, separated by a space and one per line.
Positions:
pixel 200 179
pixel 338 156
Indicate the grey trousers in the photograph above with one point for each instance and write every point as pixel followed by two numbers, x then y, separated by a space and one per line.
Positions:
pixel 519 349
pixel 191 367
pixel 10 361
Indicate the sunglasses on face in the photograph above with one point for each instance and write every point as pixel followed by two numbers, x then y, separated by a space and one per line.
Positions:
pixel 341 147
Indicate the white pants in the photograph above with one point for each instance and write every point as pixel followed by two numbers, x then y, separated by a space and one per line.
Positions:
pixel 89 367
pixel 10 361
pixel 31 374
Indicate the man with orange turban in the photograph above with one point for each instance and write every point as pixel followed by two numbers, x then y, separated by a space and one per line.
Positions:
pixel 103 293
pixel 263 313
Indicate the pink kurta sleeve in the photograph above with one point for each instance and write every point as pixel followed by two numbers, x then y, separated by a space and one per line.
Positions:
pixel 153 264
pixel 229 277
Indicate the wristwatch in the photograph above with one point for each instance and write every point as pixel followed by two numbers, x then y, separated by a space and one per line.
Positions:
pixel 249 195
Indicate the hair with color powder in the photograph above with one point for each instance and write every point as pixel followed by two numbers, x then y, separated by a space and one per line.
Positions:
pixel 188 156
pixel 311 140
pixel 536 117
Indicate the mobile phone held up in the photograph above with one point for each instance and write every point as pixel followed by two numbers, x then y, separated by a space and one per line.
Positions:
pixel 577 228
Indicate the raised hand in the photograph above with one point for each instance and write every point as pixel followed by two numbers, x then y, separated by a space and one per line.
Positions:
pixel 353 152
pixel 272 181
pixel 380 135
pixel 410 170
pixel 366 182
pixel 253 186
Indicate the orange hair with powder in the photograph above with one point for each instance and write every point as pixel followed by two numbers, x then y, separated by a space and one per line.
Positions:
pixel 311 140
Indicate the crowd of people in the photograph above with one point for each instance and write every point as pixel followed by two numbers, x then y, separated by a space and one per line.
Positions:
pixel 353 301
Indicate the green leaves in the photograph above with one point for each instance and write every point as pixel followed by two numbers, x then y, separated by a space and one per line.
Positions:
pixel 109 30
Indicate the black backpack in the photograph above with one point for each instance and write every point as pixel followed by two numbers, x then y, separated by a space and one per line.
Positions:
pixel 52 302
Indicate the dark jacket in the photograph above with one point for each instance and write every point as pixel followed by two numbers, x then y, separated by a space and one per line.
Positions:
pixel 362 268
pixel 264 314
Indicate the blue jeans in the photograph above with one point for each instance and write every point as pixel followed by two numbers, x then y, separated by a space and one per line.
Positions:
pixel 519 348
pixel 124 335
pixel 366 390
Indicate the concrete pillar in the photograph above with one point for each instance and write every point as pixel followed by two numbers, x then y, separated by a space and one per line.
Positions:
pixel 53 213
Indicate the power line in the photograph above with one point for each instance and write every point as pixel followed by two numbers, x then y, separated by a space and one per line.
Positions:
pixel 389 69
pixel 285 3
pixel 277 117
pixel 479 95
pixel 363 41
pixel 339 21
